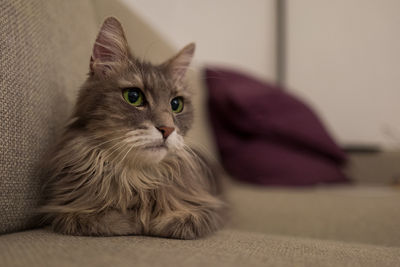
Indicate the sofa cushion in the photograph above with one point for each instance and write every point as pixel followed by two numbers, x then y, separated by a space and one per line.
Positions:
pixel 265 135
pixel 375 168
pixel 45 48
pixel 226 248
pixel 363 214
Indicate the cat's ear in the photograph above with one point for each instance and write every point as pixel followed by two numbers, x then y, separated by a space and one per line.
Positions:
pixel 110 50
pixel 179 64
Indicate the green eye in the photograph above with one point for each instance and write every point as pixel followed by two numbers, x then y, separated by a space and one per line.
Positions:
pixel 133 96
pixel 177 104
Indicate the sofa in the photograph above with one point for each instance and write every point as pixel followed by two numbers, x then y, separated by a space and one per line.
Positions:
pixel 45 48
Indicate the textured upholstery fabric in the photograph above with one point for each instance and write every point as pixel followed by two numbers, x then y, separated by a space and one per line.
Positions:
pixel 45 48
pixel 362 214
pixel 226 248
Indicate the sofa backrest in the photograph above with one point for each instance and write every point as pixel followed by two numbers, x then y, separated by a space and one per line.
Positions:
pixel 45 49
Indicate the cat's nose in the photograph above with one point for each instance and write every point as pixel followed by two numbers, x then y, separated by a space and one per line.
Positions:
pixel 165 131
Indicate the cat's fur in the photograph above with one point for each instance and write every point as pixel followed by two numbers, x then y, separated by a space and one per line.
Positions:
pixel 103 179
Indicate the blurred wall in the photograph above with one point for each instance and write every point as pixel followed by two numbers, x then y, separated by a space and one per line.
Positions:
pixel 229 32
pixel 344 58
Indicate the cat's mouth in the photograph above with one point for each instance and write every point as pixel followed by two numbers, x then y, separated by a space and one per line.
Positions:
pixel 157 146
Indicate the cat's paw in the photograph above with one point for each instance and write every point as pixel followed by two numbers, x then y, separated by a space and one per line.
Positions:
pixel 111 223
pixel 187 228
pixel 190 226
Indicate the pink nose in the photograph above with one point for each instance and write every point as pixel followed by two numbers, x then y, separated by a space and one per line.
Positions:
pixel 165 131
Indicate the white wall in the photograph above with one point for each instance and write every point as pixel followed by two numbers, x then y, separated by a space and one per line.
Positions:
pixel 232 32
pixel 344 58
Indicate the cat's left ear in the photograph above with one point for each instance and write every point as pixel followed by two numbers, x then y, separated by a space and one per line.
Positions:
pixel 179 64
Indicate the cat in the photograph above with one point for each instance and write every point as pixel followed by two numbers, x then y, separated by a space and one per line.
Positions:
pixel 122 166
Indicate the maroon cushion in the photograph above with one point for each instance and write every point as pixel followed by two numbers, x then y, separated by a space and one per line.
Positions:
pixel 267 136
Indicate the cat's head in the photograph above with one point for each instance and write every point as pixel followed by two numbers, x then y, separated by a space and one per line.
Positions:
pixel 132 109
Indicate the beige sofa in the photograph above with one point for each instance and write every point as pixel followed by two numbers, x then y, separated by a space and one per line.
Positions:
pixel 45 47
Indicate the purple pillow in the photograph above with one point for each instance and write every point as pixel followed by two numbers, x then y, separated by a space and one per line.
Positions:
pixel 267 136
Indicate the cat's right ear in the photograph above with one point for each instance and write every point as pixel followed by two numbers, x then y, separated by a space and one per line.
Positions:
pixel 110 50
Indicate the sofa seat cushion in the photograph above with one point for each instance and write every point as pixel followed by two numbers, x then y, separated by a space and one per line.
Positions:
pixel 226 248
pixel 366 214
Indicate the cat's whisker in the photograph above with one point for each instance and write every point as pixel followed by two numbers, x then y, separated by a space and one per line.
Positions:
pixel 108 141
pixel 96 136
pixel 115 148
pixel 193 154
pixel 118 149
pixel 192 143
pixel 124 138
pixel 122 160
pixel 127 132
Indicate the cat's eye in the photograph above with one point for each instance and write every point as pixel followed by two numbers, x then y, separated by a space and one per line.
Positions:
pixel 177 104
pixel 133 96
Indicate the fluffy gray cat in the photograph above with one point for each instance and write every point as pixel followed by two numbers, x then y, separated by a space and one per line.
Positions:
pixel 122 166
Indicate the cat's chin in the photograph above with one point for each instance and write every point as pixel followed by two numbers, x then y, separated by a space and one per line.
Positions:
pixel 150 155
pixel 154 155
